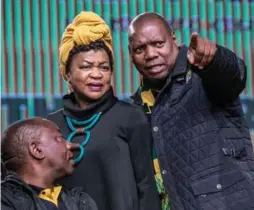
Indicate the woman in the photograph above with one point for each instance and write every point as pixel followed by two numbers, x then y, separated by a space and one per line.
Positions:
pixel 114 164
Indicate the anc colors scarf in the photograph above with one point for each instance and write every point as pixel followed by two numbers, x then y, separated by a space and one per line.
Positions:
pixel 148 100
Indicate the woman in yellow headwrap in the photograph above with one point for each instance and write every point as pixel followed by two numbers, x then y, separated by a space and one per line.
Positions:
pixel 114 164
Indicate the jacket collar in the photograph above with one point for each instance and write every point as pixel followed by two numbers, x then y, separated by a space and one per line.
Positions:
pixel 181 62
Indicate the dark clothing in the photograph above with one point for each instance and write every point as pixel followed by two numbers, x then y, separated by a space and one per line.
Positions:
pixel 116 170
pixel 17 195
pixel 201 137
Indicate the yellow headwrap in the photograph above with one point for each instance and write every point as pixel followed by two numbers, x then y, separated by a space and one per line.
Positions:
pixel 87 27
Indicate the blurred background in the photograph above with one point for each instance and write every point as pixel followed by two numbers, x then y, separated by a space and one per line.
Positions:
pixel 31 84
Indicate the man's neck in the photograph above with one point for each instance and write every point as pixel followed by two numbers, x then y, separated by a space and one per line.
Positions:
pixel 156 85
pixel 42 180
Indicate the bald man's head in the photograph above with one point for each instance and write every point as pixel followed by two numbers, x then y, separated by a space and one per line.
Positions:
pixel 153 46
pixel 145 18
pixel 15 139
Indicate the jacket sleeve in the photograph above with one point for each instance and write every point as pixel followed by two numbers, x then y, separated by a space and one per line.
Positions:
pixel 225 78
pixel 140 140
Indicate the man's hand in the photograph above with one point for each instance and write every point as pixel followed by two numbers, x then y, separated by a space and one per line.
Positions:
pixel 201 51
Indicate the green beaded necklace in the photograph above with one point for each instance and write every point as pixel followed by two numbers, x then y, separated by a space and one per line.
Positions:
pixel 87 125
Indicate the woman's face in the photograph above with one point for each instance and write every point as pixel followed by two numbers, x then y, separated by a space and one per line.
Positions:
pixel 90 74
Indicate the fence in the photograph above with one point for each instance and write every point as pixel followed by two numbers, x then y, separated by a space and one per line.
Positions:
pixel 31 31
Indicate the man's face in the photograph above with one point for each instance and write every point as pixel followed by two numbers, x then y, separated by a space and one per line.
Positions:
pixel 153 49
pixel 57 156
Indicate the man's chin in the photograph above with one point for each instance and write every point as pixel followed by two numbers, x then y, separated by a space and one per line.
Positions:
pixel 158 77
pixel 69 172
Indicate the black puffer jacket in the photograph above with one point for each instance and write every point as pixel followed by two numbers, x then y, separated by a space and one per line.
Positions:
pixel 201 137
pixel 17 195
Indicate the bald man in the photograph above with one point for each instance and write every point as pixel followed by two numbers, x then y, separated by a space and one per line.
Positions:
pixel 203 155
pixel 36 155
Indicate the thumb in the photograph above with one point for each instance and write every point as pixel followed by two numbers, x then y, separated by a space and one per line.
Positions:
pixel 194 40
pixel 190 57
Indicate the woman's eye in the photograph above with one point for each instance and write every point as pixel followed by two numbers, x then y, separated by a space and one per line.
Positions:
pixel 105 68
pixel 85 67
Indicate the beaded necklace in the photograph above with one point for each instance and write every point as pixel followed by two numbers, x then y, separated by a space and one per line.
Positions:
pixel 84 130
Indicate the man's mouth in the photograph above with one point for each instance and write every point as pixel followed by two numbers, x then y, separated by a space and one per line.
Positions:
pixel 154 69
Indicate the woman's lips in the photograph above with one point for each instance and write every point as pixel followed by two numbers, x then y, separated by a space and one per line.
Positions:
pixel 95 87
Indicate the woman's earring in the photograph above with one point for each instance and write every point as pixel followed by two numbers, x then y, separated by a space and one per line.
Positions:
pixel 70 90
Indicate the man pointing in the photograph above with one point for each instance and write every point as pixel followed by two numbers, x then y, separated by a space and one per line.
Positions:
pixel 202 147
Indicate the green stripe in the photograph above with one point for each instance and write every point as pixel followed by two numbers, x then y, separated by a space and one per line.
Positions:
pixel 37 48
pixel 159 6
pixel 3 65
pixel 9 45
pixel 194 14
pixel 70 10
pixel 89 5
pixel 150 7
pixel 97 8
pixel 62 22
pixel 176 13
pixel 106 13
pixel 247 47
pixel 18 39
pixel 229 34
pixel 141 6
pixel 45 44
pixel 116 37
pixel 211 18
pixel 185 14
pixel 54 45
pixel 79 6
pixel 238 36
pixel 220 16
pixel 126 59
pixel 202 13
pixel 27 45
pixel 136 80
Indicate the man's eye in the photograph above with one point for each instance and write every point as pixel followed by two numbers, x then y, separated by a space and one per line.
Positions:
pixel 139 50
pixel 159 44
pixel 59 139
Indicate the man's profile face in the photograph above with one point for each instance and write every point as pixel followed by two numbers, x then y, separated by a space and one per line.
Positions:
pixel 153 49
pixel 57 155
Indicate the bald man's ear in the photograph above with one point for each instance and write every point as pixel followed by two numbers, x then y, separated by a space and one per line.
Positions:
pixel 172 33
pixel 129 48
pixel 36 151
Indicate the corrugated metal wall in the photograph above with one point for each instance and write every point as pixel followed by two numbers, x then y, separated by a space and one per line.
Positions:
pixel 31 32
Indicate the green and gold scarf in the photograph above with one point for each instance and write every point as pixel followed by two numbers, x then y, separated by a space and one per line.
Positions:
pixel 148 99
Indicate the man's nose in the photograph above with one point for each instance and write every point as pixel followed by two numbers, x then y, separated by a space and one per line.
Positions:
pixel 72 146
pixel 150 53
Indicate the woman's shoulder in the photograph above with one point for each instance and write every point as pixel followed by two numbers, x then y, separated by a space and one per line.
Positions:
pixel 128 106
pixel 55 116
